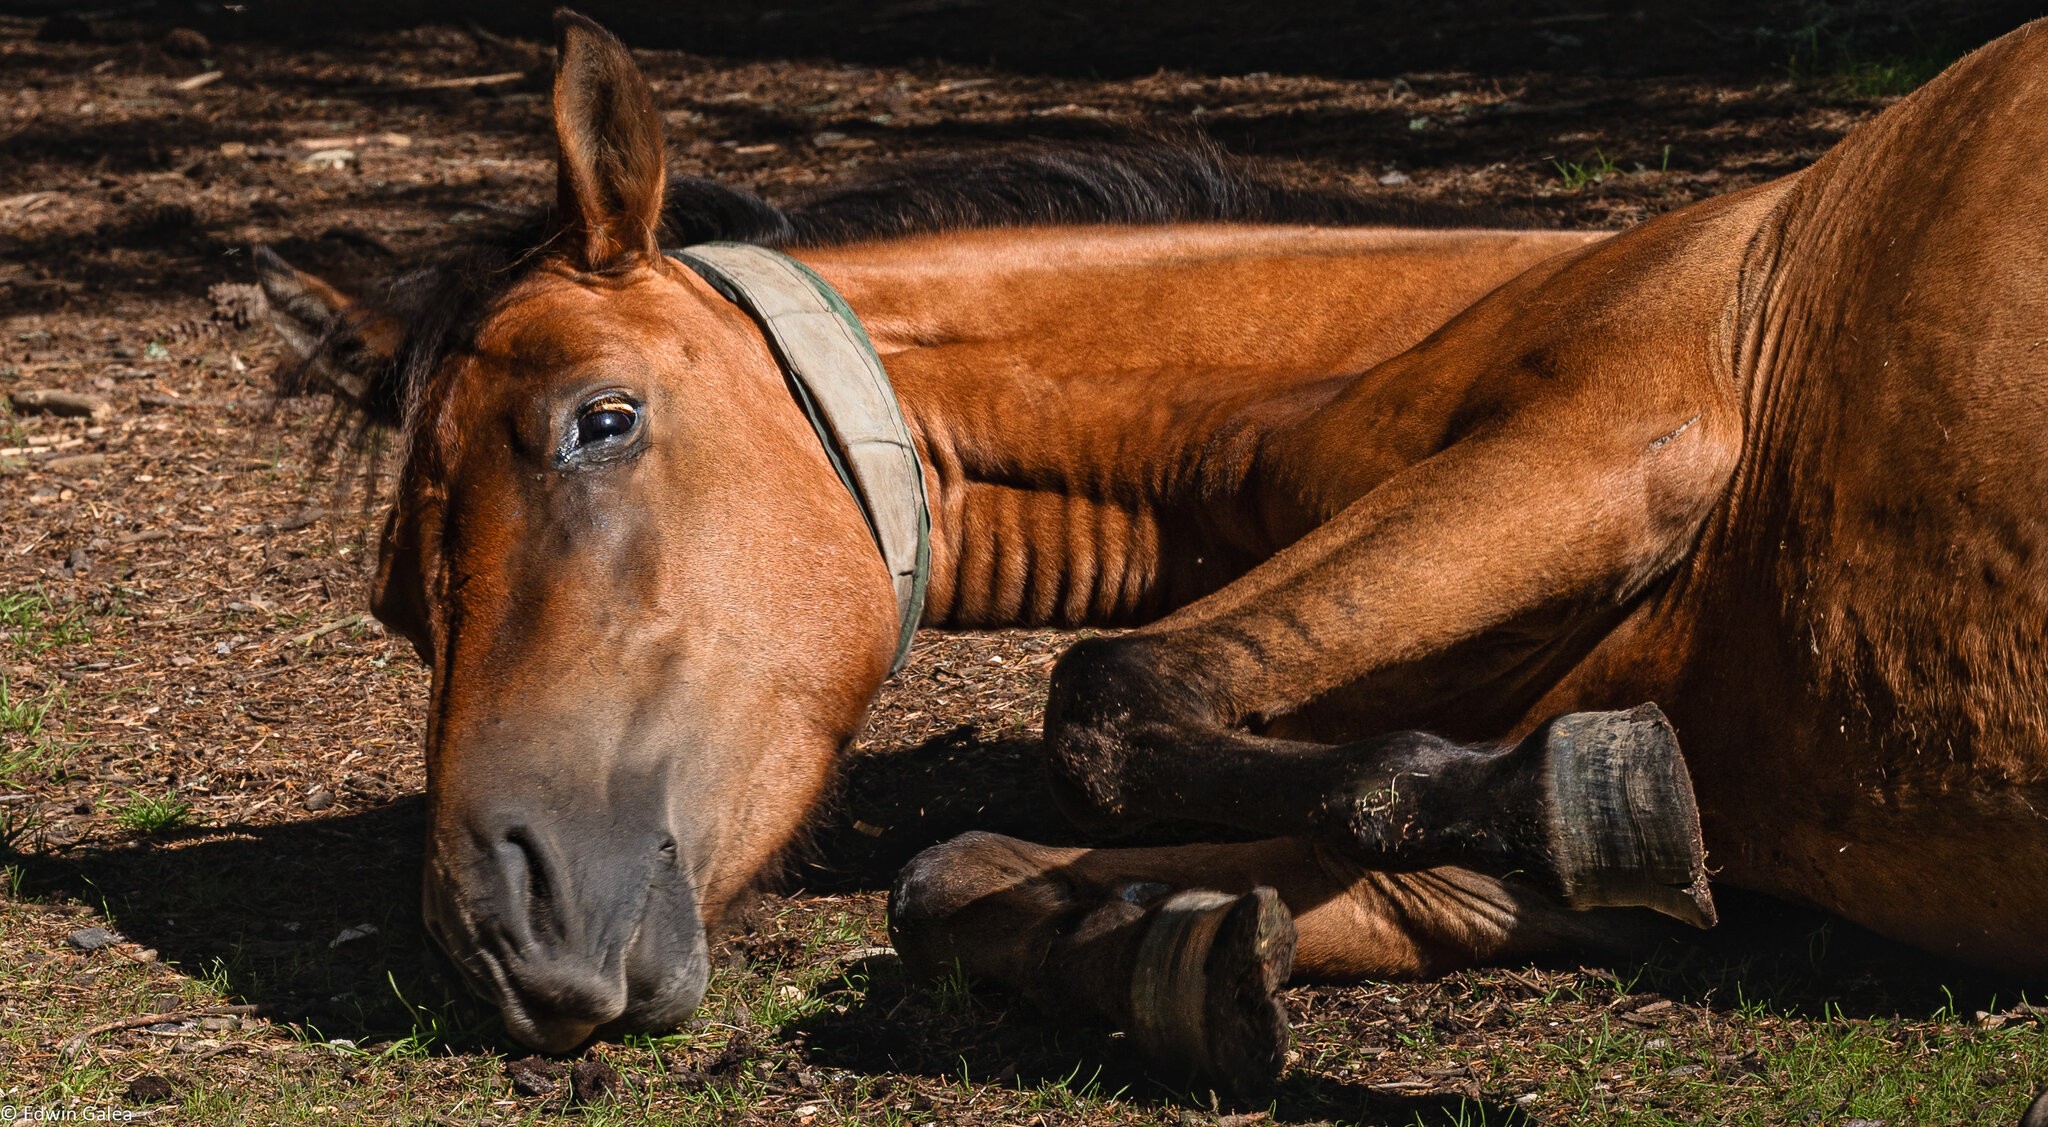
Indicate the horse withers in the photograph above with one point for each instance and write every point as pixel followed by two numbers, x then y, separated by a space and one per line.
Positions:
pixel 1759 460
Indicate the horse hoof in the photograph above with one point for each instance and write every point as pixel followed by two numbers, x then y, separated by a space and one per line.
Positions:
pixel 1204 991
pixel 1624 828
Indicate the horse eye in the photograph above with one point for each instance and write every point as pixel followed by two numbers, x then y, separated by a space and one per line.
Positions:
pixel 605 419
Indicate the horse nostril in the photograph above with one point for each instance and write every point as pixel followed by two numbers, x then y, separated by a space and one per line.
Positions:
pixel 531 875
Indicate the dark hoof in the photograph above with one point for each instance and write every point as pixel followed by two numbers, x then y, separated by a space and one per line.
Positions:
pixel 1204 991
pixel 1624 828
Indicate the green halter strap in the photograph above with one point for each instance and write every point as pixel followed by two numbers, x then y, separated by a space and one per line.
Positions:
pixel 837 378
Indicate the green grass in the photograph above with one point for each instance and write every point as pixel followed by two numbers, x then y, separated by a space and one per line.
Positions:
pixel 1745 1063
pixel 1593 170
pixel 1879 78
pixel 1843 73
pixel 33 624
pixel 145 814
pixel 28 749
pixel 20 716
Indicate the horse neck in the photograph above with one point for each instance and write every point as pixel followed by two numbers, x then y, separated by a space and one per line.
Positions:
pixel 1094 406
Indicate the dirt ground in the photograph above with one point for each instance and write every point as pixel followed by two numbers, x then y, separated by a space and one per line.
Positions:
pixel 208 751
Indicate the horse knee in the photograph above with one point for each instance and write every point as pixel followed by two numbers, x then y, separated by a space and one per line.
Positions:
pixel 1106 698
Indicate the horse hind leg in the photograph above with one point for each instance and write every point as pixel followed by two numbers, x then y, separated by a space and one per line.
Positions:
pixel 1185 947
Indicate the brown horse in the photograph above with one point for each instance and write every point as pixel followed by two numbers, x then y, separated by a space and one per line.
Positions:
pixel 1770 461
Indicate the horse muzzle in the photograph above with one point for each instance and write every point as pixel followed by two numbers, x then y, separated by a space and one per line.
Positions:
pixel 573 927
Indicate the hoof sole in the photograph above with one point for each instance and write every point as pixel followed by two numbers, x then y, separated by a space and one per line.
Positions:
pixel 1625 828
pixel 1204 992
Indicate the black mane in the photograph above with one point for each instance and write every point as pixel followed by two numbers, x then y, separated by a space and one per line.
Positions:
pixel 1188 180
pixel 441 303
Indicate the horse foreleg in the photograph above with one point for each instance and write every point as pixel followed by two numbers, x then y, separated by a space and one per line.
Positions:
pixel 1185 947
pixel 1527 536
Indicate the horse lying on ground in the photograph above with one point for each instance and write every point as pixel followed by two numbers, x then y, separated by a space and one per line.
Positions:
pixel 1772 461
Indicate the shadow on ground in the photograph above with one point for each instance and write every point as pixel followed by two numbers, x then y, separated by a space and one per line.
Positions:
pixel 262 910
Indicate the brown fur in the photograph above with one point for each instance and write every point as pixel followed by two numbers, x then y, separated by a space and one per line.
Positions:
pixel 1771 461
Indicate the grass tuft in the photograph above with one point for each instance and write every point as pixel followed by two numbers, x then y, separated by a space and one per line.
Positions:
pixel 34 624
pixel 20 716
pixel 1577 175
pixel 145 814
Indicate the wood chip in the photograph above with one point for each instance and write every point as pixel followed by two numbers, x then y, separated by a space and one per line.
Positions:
pixel 464 82
pixel 76 463
pixel 307 638
pixel 198 80
pixel 54 401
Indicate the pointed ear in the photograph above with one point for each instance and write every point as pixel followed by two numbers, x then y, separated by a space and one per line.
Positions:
pixel 610 170
pixel 342 347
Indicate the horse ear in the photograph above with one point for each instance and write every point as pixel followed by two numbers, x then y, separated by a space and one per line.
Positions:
pixel 341 346
pixel 610 169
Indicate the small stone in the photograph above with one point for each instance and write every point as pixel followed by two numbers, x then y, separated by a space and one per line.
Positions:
pixel 1396 179
pixel 351 934
pixel 319 798
pixel 91 939
pixel 328 160
pixel 827 138
pixel 592 1080
pixel 148 1089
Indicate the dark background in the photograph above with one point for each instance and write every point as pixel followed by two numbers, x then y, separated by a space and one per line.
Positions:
pixel 1347 38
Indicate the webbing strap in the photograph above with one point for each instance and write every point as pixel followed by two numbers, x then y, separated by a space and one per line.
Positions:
pixel 837 377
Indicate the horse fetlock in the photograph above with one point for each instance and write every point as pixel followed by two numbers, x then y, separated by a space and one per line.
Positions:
pixel 1204 988
pixel 1380 815
pixel 1622 826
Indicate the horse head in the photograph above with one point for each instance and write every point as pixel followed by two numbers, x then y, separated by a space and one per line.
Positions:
pixel 651 613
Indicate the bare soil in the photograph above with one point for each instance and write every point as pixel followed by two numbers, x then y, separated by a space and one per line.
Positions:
pixel 208 749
